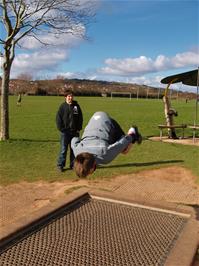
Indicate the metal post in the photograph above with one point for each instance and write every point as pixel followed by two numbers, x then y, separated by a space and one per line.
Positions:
pixel 137 93
pixel 159 93
pixel 196 113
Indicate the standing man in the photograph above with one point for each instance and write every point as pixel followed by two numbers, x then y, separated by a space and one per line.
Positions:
pixel 69 121
pixel 19 100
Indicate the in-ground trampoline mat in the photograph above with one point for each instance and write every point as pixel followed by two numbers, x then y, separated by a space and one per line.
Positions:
pixel 95 231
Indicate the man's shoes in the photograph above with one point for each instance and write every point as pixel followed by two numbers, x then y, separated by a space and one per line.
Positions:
pixel 60 169
pixel 136 136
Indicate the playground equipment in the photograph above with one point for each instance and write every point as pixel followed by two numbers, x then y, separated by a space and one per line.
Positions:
pixel 190 78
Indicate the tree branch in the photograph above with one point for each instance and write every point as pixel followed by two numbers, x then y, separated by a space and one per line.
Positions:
pixel 6 19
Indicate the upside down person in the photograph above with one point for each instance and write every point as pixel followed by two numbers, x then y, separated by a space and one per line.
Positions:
pixel 103 139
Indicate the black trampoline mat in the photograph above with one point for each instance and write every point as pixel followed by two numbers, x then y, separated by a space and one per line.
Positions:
pixel 98 232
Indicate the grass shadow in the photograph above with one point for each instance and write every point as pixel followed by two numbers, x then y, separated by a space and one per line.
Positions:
pixel 142 164
pixel 35 140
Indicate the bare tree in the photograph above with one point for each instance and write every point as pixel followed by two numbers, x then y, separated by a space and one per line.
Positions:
pixel 25 76
pixel 32 18
pixel 60 77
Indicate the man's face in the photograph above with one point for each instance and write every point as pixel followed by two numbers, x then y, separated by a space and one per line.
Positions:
pixel 69 98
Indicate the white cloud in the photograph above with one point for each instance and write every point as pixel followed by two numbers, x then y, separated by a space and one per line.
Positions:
pixel 184 59
pixel 155 81
pixel 40 58
pixel 38 61
pixel 64 40
pixel 143 64
pixel 127 66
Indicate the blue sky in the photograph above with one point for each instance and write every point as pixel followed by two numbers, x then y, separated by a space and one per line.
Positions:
pixel 130 41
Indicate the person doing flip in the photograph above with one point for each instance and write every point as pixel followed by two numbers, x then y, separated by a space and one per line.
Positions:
pixel 103 139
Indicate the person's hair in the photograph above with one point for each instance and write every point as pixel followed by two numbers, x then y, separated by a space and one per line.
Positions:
pixel 83 164
pixel 67 92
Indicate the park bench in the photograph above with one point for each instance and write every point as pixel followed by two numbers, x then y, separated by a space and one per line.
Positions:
pixel 161 127
pixel 194 128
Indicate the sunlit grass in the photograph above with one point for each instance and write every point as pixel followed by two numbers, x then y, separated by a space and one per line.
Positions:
pixel 31 153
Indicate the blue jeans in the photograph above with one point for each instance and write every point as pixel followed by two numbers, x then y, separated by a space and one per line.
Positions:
pixel 65 142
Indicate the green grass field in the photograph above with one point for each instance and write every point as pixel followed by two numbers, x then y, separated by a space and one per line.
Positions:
pixel 31 153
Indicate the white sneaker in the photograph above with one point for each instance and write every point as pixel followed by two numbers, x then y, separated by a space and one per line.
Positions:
pixel 131 131
pixel 136 136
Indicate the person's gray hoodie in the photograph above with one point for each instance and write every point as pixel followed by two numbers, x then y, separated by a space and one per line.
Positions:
pixel 97 139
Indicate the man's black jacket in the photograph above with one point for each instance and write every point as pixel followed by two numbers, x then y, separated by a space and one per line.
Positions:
pixel 69 117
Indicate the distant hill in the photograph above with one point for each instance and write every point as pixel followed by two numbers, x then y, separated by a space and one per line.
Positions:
pixel 89 88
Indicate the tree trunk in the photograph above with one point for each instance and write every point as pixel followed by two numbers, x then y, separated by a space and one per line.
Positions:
pixel 4 103
pixel 169 118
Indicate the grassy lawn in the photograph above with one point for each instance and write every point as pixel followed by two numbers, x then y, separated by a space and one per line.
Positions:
pixel 32 150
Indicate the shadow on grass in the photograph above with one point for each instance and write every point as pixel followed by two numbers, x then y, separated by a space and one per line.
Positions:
pixel 142 164
pixel 35 140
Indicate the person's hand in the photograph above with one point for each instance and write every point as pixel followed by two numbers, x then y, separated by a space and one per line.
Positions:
pixel 127 149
